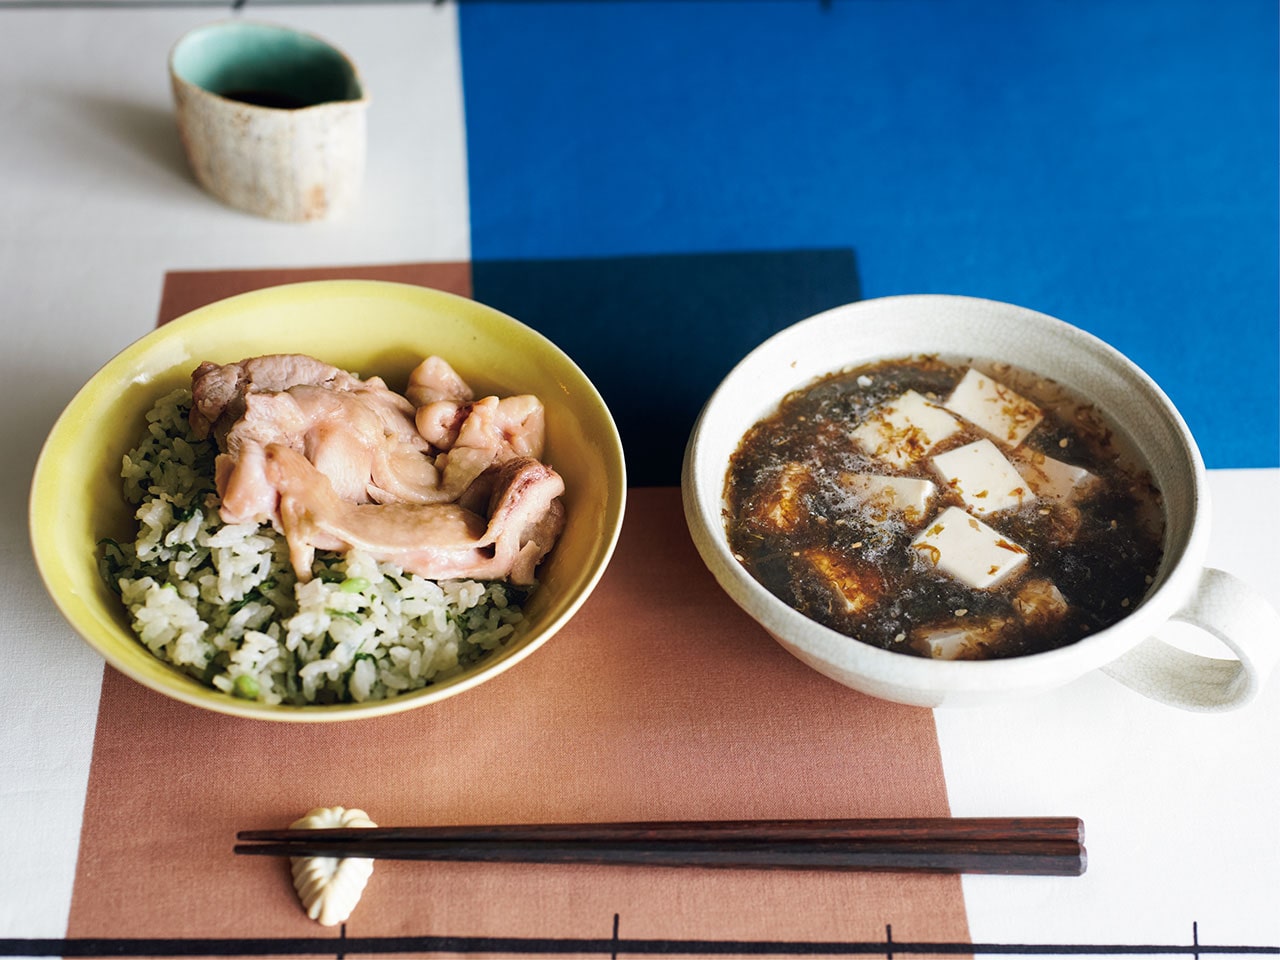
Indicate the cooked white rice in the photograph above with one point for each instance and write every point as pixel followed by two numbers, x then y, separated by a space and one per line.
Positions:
pixel 221 602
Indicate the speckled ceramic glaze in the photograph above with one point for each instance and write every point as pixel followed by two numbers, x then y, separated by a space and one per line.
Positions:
pixel 299 162
pixel 982 329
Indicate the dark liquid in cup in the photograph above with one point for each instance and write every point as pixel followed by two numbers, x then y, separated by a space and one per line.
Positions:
pixel 276 99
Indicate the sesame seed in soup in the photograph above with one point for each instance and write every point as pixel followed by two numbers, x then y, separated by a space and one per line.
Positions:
pixel 946 509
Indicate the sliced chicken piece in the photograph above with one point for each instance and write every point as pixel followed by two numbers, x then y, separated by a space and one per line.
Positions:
pixel 359 433
pixel 345 453
pixel 512 426
pixel 433 379
pixel 440 421
pixel 401 474
pixel 480 434
pixel 535 541
pixel 365 442
pixel 337 463
pixel 525 518
pixel 461 467
pixel 439 541
pixel 247 495
pixel 218 390
pixel 265 418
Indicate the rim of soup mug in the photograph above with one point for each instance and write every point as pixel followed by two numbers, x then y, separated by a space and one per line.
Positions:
pixel 1185 538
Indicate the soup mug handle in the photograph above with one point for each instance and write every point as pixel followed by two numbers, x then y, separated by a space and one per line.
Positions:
pixel 1233 612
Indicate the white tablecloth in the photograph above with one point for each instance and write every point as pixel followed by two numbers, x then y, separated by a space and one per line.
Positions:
pixel 96 204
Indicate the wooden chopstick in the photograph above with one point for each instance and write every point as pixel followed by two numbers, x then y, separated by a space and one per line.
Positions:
pixel 1036 845
pixel 880 828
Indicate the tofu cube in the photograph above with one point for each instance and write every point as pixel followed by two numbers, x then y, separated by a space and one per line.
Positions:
pixel 1053 479
pixel 965 548
pixel 947 643
pixel 908 496
pixel 983 477
pixel 959 640
pixel 858 585
pixel 1039 601
pixel 994 408
pixel 903 430
pixel 782 506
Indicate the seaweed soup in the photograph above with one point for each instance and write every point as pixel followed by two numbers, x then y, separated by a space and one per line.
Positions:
pixel 955 509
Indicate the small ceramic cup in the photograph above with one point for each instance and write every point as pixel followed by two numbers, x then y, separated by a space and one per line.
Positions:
pixel 1184 589
pixel 272 120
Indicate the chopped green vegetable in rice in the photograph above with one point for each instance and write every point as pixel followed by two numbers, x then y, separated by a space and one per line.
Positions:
pixel 221 601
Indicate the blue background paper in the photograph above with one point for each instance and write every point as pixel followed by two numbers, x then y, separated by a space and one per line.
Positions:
pixel 1110 162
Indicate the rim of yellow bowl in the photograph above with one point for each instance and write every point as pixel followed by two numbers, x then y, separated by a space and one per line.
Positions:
pixel 67 579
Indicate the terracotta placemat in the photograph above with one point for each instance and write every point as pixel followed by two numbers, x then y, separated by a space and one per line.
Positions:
pixel 185 290
pixel 660 700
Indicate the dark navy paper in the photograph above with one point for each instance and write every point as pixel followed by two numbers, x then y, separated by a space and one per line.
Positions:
pixel 656 334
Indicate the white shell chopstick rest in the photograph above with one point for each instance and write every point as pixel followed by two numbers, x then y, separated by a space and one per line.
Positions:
pixel 330 887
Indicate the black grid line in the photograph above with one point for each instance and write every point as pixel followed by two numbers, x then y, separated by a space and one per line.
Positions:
pixel 344 946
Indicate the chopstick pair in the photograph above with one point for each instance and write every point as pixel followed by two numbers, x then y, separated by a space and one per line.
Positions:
pixel 1043 846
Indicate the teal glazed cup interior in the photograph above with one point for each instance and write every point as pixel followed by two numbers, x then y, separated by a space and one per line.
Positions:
pixel 1129 651
pixel 272 120
pixel 268 65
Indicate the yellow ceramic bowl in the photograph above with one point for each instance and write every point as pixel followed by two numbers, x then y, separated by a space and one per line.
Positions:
pixel 362 326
